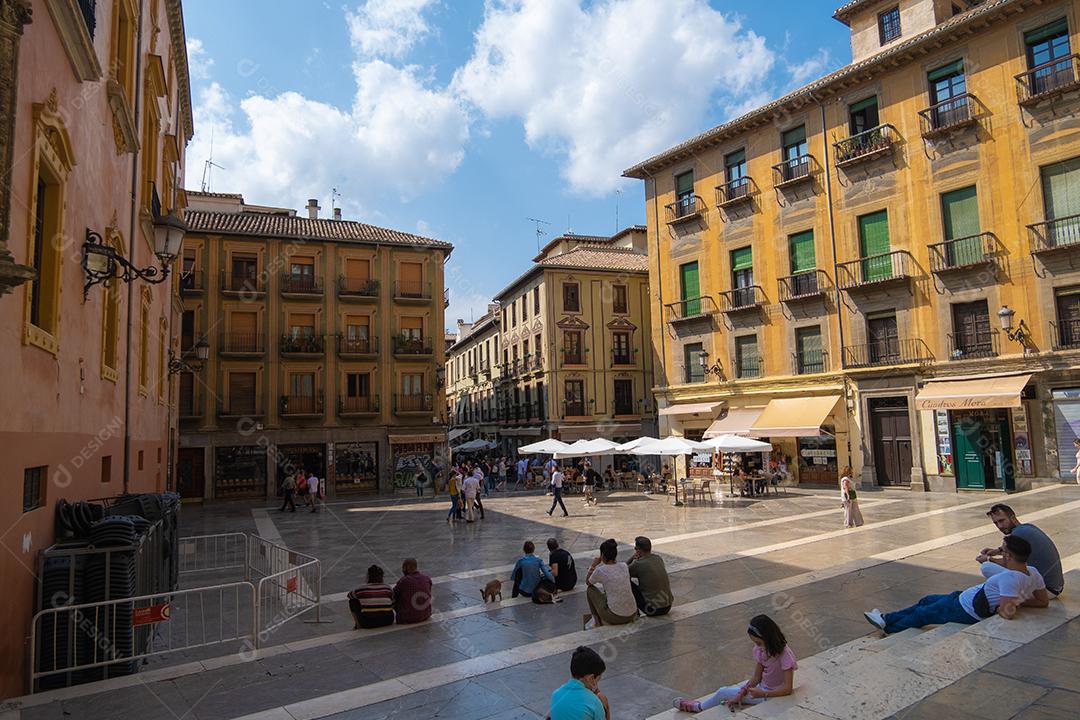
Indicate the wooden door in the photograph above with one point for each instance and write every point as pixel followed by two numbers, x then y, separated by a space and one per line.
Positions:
pixel 891 441
pixel 190 478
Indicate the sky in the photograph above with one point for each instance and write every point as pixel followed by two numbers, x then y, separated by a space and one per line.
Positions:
pixel 462 119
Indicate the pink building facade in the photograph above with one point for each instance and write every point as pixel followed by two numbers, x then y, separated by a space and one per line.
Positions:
pixel 95 110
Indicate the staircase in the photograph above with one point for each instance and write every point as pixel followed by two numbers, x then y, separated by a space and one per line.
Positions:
pixel 875 677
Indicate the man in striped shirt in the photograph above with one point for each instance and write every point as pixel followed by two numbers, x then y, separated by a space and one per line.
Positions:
pixel 372 604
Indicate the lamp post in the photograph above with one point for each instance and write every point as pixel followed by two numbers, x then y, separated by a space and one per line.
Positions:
pixel 101 262
pixel 200 353
pixel 715 369
pixel 1020 334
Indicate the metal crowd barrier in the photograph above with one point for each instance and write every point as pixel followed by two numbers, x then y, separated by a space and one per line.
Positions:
pixel 289 583
pixel 207 553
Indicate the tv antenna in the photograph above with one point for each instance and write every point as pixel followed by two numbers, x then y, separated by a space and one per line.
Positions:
pixel 209 165
pixel 333 195
pixel 539 230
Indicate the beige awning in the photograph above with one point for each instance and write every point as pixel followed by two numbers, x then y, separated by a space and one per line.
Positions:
pixel 989 392
pixel 794 417
pixel 738 421
pixel 691 409
pixel 456 433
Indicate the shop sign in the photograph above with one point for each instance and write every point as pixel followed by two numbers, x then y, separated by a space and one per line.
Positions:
pixel 151 614
pixel 818 453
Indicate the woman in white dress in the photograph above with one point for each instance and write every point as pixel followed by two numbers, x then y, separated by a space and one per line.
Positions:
pixel 849 499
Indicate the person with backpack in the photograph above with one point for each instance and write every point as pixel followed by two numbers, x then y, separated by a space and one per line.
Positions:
pixel 288 488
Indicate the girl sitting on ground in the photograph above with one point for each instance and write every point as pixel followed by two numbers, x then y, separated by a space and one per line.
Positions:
pixel 774 671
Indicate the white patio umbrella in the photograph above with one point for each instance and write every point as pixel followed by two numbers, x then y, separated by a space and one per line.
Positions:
pixel 628 446
pixel 549 446
pixel 581 448
pixel 671 446
pixel 735 443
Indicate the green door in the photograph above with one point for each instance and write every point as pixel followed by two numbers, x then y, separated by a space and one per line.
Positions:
pixel 960 214
pixel 691 289
pixel 873 244
pixel 968 457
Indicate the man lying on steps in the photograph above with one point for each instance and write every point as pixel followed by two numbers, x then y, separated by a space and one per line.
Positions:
pixel 1018 585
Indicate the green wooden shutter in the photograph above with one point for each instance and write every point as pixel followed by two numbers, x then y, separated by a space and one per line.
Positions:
pixel 742 259
pixel 795 136
pixel 874 240
pixel 945 71
pixel 691 288
pixel 684 183
pixel 1046 32
pixel 863 104
pixel 1061 189
pixel 960 211
pixel 802 252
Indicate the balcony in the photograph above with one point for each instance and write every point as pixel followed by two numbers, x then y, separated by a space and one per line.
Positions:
pixel 1065 334
pixel 892 351
pixel 574 409
pixel 407 347
pixel 192 283
pixel 357 347
pixel 293 406
pixel 354 405
pixel 242 344
pixel 966 347
pixel 684 209
pixel 964 253
pixel 793 172
pixel 298 285
pixel 1048 81
pixel 533 363
pixel 742 299
pixel 357 289
pixel 412 404
pixel 302 345
pixel 734 193
pixel 948 116
pixel 573 358
pixel 807 285
pixel 1057 234
pixel 238 407
pixel 749 366
pixel 622 358
pixel 412 291
pixel 876 270
pixel 866 146
pixel 809 362
pixel 691 309
pixel 246 285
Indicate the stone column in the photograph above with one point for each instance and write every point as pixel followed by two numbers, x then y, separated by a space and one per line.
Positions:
pixel 14 14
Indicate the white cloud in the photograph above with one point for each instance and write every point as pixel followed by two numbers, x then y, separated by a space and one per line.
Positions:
pixel 609 84
pixel 388 28
pixel 199 63
pixel 811 68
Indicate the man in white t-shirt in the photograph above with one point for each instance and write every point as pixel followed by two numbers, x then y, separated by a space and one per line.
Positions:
pixel 610 595
pixel 313 492
pixel 1018 585
pixel 556 489
pixel 470 487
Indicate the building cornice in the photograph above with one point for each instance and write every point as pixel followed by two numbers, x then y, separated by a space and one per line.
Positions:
pixel 178 43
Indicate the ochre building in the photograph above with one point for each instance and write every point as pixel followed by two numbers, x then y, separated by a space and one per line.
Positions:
pixel 326 351
pixel 882 268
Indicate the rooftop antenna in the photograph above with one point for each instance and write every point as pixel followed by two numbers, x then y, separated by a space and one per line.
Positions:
pixel 539 230
pixel 333 195
pixel 209 165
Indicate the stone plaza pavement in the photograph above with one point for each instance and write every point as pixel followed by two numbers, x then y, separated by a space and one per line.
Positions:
pixel 786 556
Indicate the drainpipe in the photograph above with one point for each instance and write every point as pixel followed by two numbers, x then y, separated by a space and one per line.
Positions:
pixel 659 291
pixel 132 228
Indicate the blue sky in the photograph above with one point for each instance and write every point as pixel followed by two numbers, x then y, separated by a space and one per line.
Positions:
pixel 461 119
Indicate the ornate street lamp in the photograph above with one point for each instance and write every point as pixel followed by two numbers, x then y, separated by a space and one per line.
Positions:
pixel 1020 334
pixel 199 353
pixel 715 369
pixel 101 262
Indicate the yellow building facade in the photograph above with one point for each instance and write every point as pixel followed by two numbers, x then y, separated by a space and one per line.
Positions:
pixel 326 351
pixel 472 373
pixel 880 268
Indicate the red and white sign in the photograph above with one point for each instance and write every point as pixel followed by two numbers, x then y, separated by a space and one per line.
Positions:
pixel 290 584
pixel 149 615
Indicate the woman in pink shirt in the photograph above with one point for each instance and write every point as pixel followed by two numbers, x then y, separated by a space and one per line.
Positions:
pixel 774 671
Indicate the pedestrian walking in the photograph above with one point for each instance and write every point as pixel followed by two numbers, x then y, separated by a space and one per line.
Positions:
pixel 556 489
pixel 419 480
pixel 288 488
pixel 849 499
pixel 503 468
pixel 314 488
pixel 454 488
pixel 471 489
pixel 521 470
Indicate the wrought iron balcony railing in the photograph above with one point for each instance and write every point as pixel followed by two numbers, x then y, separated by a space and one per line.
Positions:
pixel 734 192
pixel 1065 334
pixel 574 409
pixel 412 346
pixel 239 343
pixel 684 208
pixel 240 407
pixel 809 361
pixel 412 403
pixel 357 346
pixel 357 287
pixel 691 308
pixel 191 282
pixel 867 145
pixel 748 366
pixel 358 404
pixel 794 171
pixel 882 353
pixel 964 346
pixel 1055 234
pixel 302 344
pixel 948 115
pixel 298 284
pixel 292 405
pixel 412 290
pixel 874 269
pixel 803 286
pixel 243 283
pixel 744 298
pixel 963 253
pixel 1049 80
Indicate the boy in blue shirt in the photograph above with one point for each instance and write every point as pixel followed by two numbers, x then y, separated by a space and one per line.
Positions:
pixel 531 577
pixel 580 698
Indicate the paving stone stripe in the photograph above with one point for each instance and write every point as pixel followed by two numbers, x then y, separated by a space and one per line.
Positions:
pixel 360 697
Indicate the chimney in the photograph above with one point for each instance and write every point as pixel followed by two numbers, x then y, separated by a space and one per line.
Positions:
pixel 337 213
pixel 313 209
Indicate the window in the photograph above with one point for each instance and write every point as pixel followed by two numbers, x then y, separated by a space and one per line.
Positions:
pixel 123 50
pixel 301 326
pixel 538 348
pixel 948 96
pixel 796 164
pixel 620 302
pixel 620 348
pixel 735 177
pixel 411 282
pixel 241 393
pixel 1061 201
pixel 571 298
pixel 575 398
pixel 301 398
pixel 747 359
pixel 1067 302
pixel 505 323
pixel 44 308
pixel 572 350
pixel 536 300
pixel 874 247
pixel 624 396
pixel 742 277
pixel 884 345
pixel 357 335
pixel 412 384
pixel 690 289
pixel 144 342
pixel 960 217
pixel 972 336
pixel 684 194
pixel 863 115
pixel 692 354
pixel 803 263
pixel 301 277
pixel 150 157
pixel 513 315
pixel 187 330
pixel 106 468
pixel 33 482
pixel 809 355
pixel 1049 57
pixel 244 335
pixel 188 406
pixel 245 273
pixel 889 25
pixel 524 307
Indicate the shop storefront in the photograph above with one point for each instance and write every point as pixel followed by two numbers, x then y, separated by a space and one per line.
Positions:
pixel 413 453
pixel 356 467
pixel 817 459
pixel 804 431
pixel 239 472
pixel 1066 402
pixel 311 458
